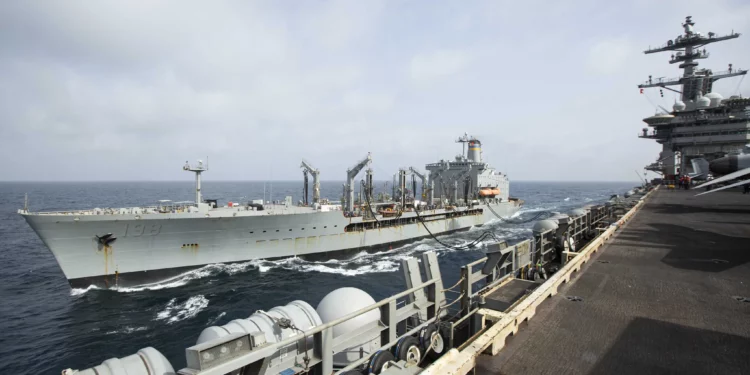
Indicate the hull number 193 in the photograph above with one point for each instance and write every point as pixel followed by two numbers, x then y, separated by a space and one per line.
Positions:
pixel 137 230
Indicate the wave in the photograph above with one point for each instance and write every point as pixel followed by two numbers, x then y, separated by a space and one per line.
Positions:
pixel 175 312
pixel 216 319
pixel 359 264
pixel 126 330
pixel 537 209
pixel 81 291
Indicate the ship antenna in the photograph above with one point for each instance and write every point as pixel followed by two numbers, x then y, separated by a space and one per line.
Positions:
pixel 26 202
pixel 197 169
pixel 737 90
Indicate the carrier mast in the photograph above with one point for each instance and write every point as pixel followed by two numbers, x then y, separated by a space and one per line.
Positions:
pixel 197 169
pixel 690 131
pixel 695 82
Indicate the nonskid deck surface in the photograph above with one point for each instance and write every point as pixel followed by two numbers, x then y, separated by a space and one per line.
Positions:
pixel 660 298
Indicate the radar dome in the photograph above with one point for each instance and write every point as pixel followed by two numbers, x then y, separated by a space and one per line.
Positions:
pixel 544 225
pixel 679 106
pixel 578 212
pixel 342 302
pixel 703 102
pixel 715 98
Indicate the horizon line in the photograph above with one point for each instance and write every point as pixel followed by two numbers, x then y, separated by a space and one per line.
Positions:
pixel 211 181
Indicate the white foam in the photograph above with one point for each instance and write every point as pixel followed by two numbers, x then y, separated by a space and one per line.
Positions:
pixel 80 291
pixel 216 319
pixel 127 330
pixel 567 199
pixel 379 266
pixel 537 209
pixel 175 312
pixel 361 263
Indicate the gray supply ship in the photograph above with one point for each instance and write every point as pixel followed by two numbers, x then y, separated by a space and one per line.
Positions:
pixel 137 245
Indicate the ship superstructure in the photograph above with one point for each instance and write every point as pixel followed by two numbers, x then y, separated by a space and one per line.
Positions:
pixel 467 177
pixel 702 124
pixel 135 245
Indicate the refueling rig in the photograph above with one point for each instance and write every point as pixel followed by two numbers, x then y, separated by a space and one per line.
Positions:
pixel 418 331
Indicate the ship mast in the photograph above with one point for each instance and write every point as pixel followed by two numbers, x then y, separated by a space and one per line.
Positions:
pixel 695 82
pixel 197 169
pixel 687 131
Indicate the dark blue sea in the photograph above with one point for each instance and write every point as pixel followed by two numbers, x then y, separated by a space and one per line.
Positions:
pixel 45 326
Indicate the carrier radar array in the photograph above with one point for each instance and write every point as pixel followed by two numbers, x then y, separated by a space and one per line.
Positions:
pixel 702 124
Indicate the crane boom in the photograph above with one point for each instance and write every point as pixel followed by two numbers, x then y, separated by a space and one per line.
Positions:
pixel 457 178
pixel 424 181
pixel 308 168
pixel 351 173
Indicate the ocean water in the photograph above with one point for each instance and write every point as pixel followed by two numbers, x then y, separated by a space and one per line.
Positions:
pixel 47 326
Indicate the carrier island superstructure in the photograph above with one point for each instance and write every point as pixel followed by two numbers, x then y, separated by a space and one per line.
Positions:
pixel 702 123
pixel 136 245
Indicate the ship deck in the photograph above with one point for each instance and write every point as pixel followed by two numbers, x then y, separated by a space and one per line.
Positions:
pixel 662 297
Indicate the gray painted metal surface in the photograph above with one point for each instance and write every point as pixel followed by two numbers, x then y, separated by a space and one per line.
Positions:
pixel 149 241
pixel 251 352
pixel 158 241
pixel 275 347
pixel 703 124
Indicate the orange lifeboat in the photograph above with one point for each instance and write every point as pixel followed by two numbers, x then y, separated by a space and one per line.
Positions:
pixel 496 191
pixel 487 192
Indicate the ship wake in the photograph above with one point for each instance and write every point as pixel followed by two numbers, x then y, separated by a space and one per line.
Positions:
pixel 360 264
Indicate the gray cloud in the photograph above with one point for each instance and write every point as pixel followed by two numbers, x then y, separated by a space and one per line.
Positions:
pixel 128 91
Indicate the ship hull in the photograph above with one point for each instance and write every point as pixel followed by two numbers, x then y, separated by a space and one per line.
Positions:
pixel 163 276
pixel 153 248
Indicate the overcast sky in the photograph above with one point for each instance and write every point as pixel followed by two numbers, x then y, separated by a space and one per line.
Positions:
pixel 129 90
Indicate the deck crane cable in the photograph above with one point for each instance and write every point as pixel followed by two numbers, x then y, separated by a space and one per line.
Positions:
pixel 484 235
pixel 468 246
pixel 538 216
pixel 737 90
pixel 369 206
pixel 650 101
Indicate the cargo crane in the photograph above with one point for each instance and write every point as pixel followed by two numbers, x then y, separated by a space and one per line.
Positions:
pixel 423 178
pixel 454 182
pixel 308 168
pixel 351 173
pixel 411 170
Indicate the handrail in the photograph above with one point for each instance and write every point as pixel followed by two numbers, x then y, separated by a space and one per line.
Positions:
pixel 266 350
